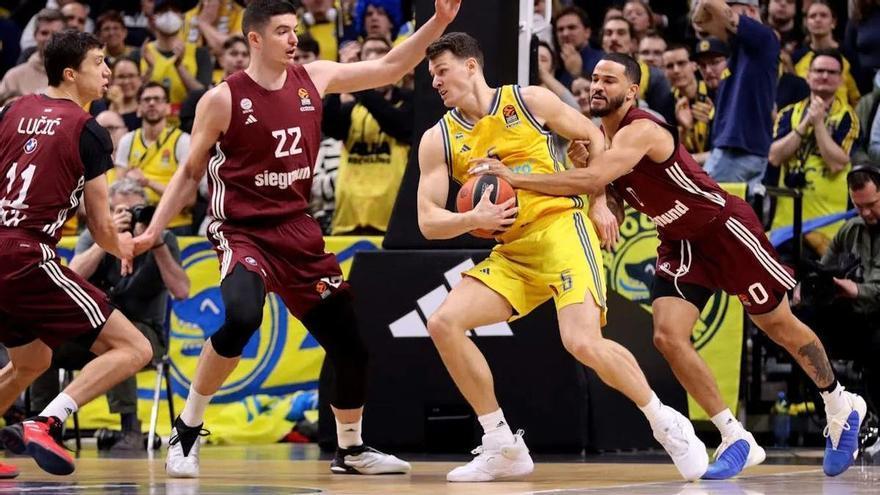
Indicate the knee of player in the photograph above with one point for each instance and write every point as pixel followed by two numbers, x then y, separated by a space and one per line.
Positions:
pixel 441 326
pixel 582 347
pixel 244 317
pixel 141 352
pixel 35 365
pixel 669 341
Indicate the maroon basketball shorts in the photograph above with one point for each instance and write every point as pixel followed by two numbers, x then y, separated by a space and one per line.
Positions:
pixel 289 256
pixel 40 299
pixel 733 254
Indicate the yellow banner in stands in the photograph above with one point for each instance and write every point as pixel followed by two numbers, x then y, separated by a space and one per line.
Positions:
pixel 718 335
pixel 281 359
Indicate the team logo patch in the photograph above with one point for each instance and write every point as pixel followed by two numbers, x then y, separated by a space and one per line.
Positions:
pixel 325 286
pixel 305 102
pixel 246 104
pixel 30 146
pixel 250 261
pixel 510 116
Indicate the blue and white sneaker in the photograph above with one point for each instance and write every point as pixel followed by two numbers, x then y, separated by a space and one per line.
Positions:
pixel 735 453
pixel 842 436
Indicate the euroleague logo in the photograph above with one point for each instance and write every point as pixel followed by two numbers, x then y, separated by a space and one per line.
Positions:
pixel 632 270
pixel 195 319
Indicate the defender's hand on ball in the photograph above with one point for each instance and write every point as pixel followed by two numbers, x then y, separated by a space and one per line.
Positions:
pixel 491 217
pixel 491 166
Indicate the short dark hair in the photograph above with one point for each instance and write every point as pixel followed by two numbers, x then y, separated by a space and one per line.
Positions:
pixel 258 13
pixel 67 49
pixel 630 67
pixel 630 28
pixel 679 46
pixel 232 40
pixel 461 45
pixel 152 84
pixel 861 176
pixel 48 15
pixel 308 44
pixel 109 16
pixel 573 10
pixel 828 52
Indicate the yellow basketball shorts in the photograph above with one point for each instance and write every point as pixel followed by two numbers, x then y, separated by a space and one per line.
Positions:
pixel 558 257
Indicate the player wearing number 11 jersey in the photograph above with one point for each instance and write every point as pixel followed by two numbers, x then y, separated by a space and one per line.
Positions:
pixel 51 151
pixel 257 136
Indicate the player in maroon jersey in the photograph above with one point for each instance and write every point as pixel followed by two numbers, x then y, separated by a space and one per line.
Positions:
pixel 257 135
pixel 708 240
pixel 52 153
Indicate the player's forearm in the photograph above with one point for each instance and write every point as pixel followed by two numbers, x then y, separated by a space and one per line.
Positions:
pixel 104 232
pixel 173 275
pixel 568 183
pixel 405 56
pixel 441 223
pixel 179 192
pixel 86 263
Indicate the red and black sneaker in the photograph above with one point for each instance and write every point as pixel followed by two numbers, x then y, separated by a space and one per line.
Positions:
pixel 40 438
pixel 8 471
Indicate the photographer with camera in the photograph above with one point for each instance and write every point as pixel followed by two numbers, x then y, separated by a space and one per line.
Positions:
pixel 141 296
pixel 812 141
pixel 843 291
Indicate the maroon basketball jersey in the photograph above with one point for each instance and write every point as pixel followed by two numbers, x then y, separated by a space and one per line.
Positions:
pixel 41 172
pixel 262 166
pixel 677 194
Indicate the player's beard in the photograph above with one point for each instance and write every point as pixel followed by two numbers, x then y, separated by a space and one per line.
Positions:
pixel 612 105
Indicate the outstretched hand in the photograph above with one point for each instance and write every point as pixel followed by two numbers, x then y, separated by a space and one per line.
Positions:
pixel 446 10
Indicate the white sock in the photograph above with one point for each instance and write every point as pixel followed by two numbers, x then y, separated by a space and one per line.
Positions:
pixel 194 410
pixel 726 423
pixel 495 425
pixel 653 410
pixel 349 434
pixel 62 406
pixel 835 401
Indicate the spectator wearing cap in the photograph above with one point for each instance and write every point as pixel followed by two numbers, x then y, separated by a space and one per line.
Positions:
pixel 211 23
pixel 867 148
pixel 651 49
pixel 821 22
pixel 30 76
pixel 782 17
pixel 573 29
pixel 743 126
pixel 812 141
pixel 711 55
pixel 618 36
pixel 862 41
pixel 694 109
pixel 111 30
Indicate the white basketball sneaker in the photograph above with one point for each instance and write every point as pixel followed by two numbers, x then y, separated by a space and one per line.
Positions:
pixel 367 460
pixel 183 450
pixel 496 461
pixel 676 434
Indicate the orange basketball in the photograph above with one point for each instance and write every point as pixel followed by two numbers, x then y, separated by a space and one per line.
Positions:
pixel 472 191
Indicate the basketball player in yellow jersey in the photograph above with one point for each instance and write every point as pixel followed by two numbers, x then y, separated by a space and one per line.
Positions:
pixel 548 249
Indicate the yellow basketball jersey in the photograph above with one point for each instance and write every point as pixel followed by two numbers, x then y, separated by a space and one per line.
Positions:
pixel 158 162
pixel 512 135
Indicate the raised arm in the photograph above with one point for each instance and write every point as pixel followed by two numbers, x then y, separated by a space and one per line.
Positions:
pixel 212 118
pixel 716 18
pixel 435 221
pixel 333 77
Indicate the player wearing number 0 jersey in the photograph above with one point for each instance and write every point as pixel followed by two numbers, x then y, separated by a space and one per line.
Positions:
pixel 257 137
pixel 51 152
pixel 709 240
pixel 548 248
